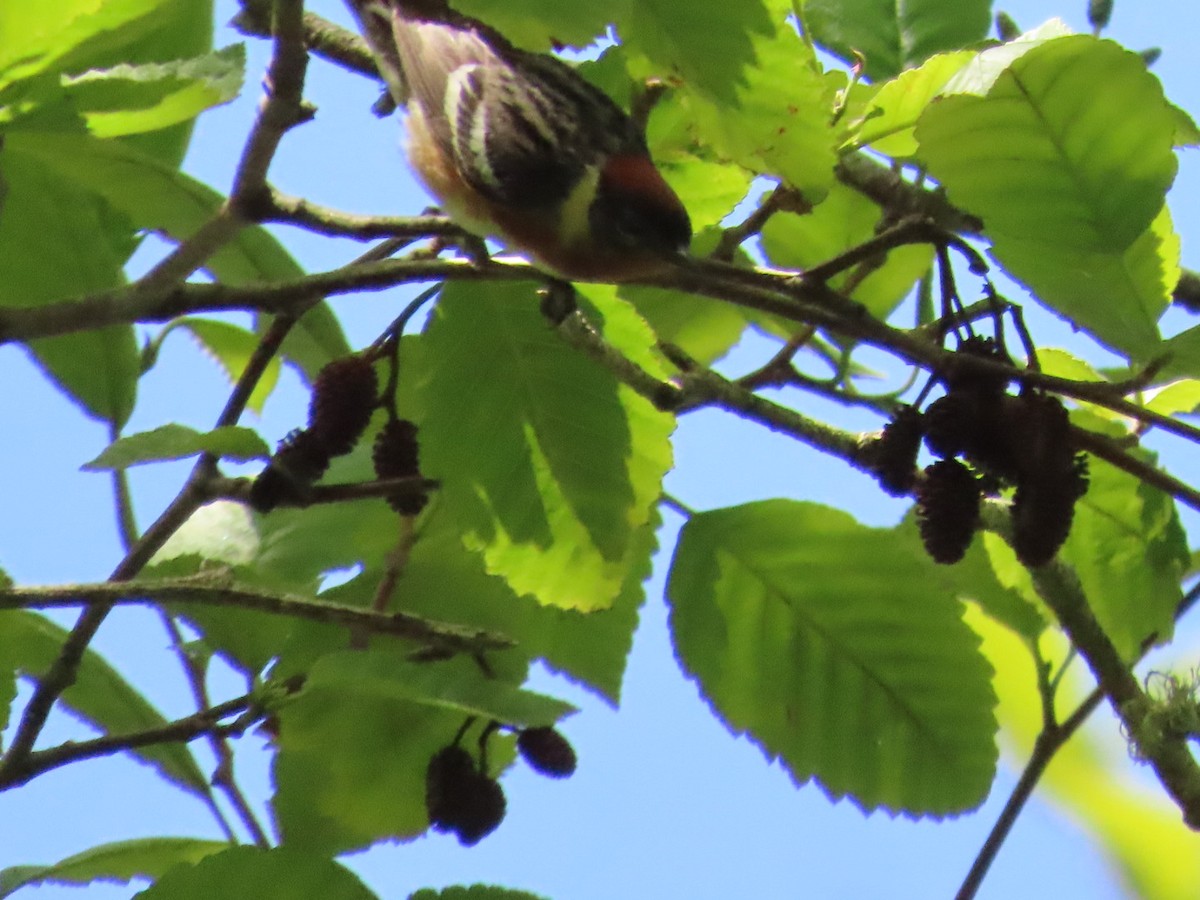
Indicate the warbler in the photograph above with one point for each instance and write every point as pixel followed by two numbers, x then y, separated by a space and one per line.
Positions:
pixel 519 146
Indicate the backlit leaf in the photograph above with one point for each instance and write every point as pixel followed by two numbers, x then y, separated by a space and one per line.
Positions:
pixel 834 649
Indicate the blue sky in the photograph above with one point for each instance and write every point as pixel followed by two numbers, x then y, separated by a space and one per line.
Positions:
pixel 665 803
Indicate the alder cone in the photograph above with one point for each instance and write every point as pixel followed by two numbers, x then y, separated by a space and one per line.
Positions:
pixel 962 379
pixel 547 752
pixel 893 457
pixel 1043 509
pixel 948 510
pixel 395 455
pixel 448 782
pixel 483 813
pixel 461 800
pixel 301 459
pixel 950 424
pixel 343 398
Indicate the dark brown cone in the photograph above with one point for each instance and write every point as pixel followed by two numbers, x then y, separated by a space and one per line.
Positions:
pixel 395 455
pixel 547 752
pixel 950 424
pixel 948 510
pixel 300 460
pixel 483 812
pixel 962 379
pixel 343 398
pixel 449 780
pixel 892 459
pixel 1043 509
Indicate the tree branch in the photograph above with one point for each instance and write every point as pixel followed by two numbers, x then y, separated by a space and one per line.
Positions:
pixel 189 728
pixel 218 590
pixel 1168 755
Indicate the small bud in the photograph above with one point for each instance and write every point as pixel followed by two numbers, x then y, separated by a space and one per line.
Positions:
pixel 1007 27
pixel 547 752
pixel 1098 13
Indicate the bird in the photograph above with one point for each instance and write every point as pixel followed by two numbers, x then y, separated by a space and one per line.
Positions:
pixel 518 145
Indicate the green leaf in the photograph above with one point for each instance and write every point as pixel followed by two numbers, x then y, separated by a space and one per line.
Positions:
pixel 59 240
pixel 355 743
pixel 63 176
pixel 548 463
pixel 174 441
pixel 29 643
pixel 1067 160
pixel 974 579
pixel 1117 296
pixel 978 76
pixel 1183 354
pixel 446 582
pixel 232 347
pixel 281 873
pixel 1070 169
pixel 889 117
pixel 711 48
pixel 97 369
pixel 460 689
pixel 77 35
pixel 1175 398
pixel 894 36
pixel 541 24
pixel 41 37
pixel 831 645
pixel 152 196
pixel 777 120
pixel 844 219
pixel 120 861
pixel 704 328
pixel 474 892
pixel 131 99
pixel 1130 552
pixel 218 532
pixel 709 190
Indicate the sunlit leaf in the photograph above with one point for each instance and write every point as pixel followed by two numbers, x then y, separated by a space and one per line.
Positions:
pixel 549 465
pixel 889 117
pixel 830 645
pixel 1066 160
pixel 119 862
pixel 778 121
pixel 175 441
pixel 894 36
pixel 1130 552
pixel 131 99
pixel 844 219
pixel 280 873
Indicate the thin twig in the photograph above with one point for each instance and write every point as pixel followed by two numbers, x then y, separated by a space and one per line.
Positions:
pixel 223 777
pixel 1046 745
pixel 281 110
pixel 1168 755
pixel 186 729
pixel 215 590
